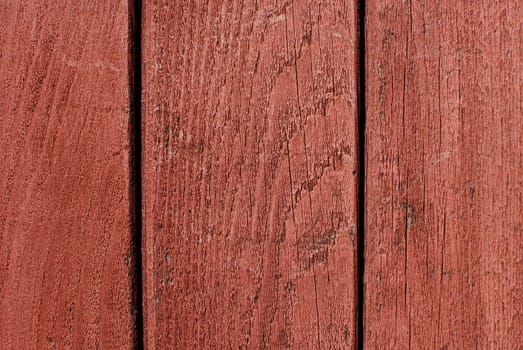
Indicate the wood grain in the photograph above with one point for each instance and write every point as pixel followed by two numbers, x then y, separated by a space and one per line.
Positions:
pixel 444 230
pixel 65 239
pixel 250 114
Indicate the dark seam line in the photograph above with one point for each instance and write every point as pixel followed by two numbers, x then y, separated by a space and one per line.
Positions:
pixel 135 165
pixel 361 175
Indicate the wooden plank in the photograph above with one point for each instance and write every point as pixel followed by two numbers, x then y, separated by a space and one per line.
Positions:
pixel 65 237
pixel 249 174
pixel 444 175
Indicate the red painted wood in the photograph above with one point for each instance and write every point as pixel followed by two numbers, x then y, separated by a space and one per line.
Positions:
pixel 249 174
pixel 65 263
pixel 444 174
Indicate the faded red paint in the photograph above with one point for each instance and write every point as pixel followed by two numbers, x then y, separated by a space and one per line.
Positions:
pixel 444 230
pixel 65 278
pixel 249 174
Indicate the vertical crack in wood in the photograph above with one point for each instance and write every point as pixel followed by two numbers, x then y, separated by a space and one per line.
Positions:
pixel 135 160
pixel 361 122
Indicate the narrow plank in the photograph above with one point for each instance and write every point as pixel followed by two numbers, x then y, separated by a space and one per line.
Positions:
pixel 65 239
pixel 249 174
pixel 444 230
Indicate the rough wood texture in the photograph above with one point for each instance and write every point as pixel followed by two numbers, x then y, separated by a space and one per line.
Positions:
pixel 65 261
pixel 249 174
pixel 444 174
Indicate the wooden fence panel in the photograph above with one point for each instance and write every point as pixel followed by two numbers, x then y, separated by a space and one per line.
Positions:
pixel 65 225
pixel 249 171
pixel 444 172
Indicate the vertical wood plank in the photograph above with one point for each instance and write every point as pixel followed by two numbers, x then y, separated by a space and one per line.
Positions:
pixel 444 175
pixel 65 237
pixel 250 114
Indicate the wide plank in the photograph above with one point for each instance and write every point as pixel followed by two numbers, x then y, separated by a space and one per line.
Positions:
pixel 444 172
pixel 249 174
pixel 66 262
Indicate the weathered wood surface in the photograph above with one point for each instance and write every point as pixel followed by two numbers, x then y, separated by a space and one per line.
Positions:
pixel 444 175
pixel 65 263
pixel 249 174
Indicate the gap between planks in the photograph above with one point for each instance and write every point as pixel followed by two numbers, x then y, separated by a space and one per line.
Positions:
pixel 135 161
pixel 361 124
